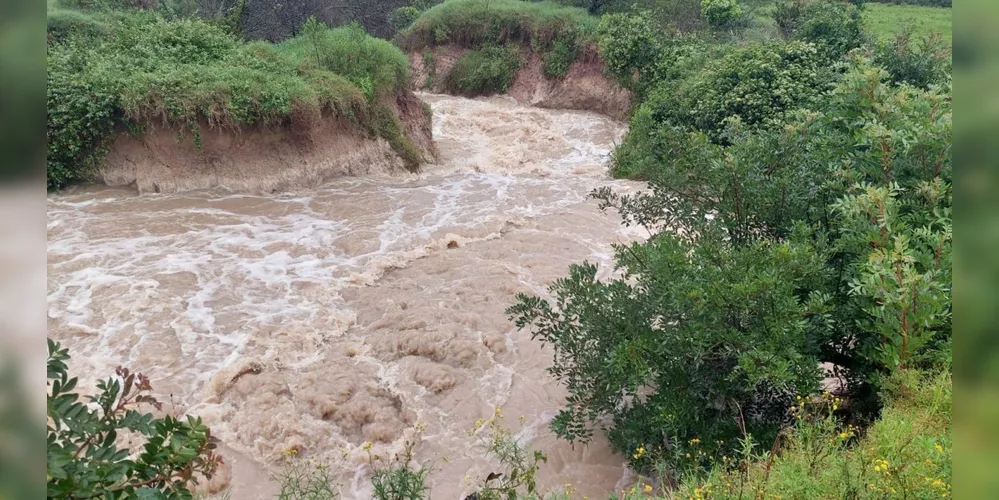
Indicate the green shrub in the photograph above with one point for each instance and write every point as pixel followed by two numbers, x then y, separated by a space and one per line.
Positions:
pixel 554 31
pixel 556 61
pixel 788 15
pixel 403 17
pixel 699 340
pixel 430 65
pixel 84 458
pixel 629 45
pixel 824 237
pixel 485 71
pixel 833 26
pixel 386 125
pixel 63 23
pixel 640 56
pixel 922 65
pixel 721 13
pixel 754 84
pixel 83 109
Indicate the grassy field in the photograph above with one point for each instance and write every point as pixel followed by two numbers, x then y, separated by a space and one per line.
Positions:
pixel 882 20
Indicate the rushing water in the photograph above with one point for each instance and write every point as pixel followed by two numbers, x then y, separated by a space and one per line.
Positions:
pixel 326 318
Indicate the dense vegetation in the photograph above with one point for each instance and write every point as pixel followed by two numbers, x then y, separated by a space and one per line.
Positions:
pixel 800 211
pixel 496 31
pixel 110 70
pixel 84 458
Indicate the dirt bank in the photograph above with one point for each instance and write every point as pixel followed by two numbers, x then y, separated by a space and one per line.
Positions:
pixel 585 87
pixel 255 159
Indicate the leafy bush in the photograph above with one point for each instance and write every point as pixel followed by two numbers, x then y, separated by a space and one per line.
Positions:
pixel 833 26
pixel 698 340
pixel 484 71
pixel 810 240
pixel 430 66
pixel 629 45
pixel 721 13
pixel 788 15
pixel 906 279
pixel 640 56
pixel 754 84
pixel 403 17
pixel 63 23
pixel 922 65
pixel 84 458
pixel 556 61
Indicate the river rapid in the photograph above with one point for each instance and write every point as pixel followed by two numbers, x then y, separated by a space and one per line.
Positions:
pixel 322 319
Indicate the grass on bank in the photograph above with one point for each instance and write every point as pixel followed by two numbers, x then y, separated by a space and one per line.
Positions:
pixel 134 69
pixel 483 71
pixel 883 20
pixel 473 23
pixel 556 32
pixel 906 453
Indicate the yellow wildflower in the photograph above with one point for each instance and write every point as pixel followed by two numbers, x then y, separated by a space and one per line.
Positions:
pixel 639 452
pixel 648 488
pixel 938 447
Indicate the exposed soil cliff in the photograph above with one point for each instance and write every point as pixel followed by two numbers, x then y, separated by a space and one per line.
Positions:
pixel 585 87
pixel 256 159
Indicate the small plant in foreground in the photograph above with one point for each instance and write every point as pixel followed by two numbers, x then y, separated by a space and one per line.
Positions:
pixel 84 458
pixel 305 479
pixel 400 480
pixel 520 463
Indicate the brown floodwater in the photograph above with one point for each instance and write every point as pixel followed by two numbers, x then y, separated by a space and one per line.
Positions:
pixel 323 319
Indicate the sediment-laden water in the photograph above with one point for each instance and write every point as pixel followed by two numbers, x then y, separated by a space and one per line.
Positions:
pixel 323 319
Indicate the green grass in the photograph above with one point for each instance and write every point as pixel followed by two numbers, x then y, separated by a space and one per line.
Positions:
pixel 350 52
pixel 125 68
pixel 906 453
pixel 473 23
pixel 485 71
pixel 883 20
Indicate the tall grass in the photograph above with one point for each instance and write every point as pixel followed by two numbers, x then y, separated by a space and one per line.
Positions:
pixel 118 68
pixel 488 70
pixel 351 52
pixel 906 453
pixel 473 23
